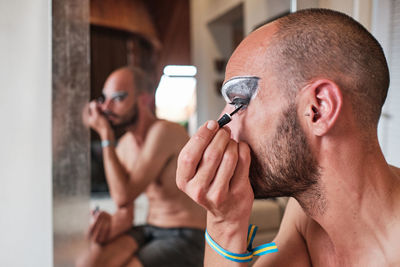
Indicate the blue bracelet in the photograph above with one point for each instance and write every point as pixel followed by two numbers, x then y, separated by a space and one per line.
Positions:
pixel 106 143
pixel 245 257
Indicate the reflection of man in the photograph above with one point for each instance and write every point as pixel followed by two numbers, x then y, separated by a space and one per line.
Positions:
pixel 144 161
pixel 309 132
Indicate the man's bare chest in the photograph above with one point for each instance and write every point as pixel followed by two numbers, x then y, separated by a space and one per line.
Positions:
pixel 128 152
pixel 323 253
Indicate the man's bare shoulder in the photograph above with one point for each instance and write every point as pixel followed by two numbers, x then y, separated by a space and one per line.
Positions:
pixel 169 131
pixel 296 216
pixel 396 170
pixel 290 239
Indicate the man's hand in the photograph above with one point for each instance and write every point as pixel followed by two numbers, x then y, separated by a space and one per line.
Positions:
pixel 213 170
pixel 93 118
pixel 100 229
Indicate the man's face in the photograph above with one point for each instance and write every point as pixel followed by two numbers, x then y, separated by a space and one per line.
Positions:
pixel 282 162
pixel 119 102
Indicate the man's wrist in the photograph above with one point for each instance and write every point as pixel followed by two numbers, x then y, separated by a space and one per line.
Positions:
pixel 231 236
pixel 107 143
pixel 107 134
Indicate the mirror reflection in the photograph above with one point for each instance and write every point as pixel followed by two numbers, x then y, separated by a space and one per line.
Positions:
pixel 139 216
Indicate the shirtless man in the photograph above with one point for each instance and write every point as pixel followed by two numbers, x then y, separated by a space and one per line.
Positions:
pixel 308 132
pixel 143 161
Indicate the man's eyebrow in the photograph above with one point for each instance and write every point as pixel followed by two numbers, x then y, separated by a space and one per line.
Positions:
pixel 119 93
pixel 240 77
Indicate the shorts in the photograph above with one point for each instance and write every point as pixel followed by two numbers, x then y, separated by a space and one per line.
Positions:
pixel 169 247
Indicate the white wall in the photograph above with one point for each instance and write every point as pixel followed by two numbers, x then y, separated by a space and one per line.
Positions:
pixel 25 154
pixel 386 28
pixel 258 11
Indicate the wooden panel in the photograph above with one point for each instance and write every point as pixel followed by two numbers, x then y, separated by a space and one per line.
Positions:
pixel 127 15
pixel 172 21
pixel 108 52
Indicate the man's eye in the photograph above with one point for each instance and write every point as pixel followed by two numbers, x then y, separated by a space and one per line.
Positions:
pixel 240 101
pixel 118 98
pixel 239 90
pixel 101 99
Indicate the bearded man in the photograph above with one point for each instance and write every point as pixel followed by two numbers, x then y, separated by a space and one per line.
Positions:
pixel 314 82
pixel 143 161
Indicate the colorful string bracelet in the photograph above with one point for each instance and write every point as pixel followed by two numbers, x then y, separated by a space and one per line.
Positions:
pixel 244 257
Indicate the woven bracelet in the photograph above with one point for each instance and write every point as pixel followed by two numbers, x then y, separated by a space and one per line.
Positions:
pixel 244 257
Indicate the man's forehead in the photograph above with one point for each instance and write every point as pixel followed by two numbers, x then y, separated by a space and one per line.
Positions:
pixel 249 57
pixel 245 66
pixel 113 93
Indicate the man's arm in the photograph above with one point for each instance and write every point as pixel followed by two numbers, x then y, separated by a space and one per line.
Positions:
pixel 291 244
pixel 160 145
pixel 114 171
pixel 214 171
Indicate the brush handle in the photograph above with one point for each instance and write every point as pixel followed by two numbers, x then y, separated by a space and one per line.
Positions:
pixel 224 120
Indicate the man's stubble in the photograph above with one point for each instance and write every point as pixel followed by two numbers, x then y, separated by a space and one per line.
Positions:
pixel 286 166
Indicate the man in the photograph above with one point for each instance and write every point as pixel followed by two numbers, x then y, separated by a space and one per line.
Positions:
pixel 308 132
pixel 143 161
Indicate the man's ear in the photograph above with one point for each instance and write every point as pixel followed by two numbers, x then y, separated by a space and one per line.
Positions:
pixel 324 103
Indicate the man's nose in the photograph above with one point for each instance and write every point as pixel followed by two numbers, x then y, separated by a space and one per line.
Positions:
pixel 107 104
pixel 234 125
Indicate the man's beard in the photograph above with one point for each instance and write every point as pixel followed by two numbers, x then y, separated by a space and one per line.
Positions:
pixel 285 166
pixel 130 120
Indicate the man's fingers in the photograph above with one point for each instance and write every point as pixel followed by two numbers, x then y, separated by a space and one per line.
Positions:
pixel 93 108
pixel 191 154
pixel 103 231
pixel 211 159
pixel 86 114
pixel 228 165
pixel 95 225
pixel 219 188
pixel 95 232
pixel 92 227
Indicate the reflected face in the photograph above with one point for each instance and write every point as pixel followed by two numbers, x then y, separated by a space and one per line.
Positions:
pixel 282 162
pixel 119 102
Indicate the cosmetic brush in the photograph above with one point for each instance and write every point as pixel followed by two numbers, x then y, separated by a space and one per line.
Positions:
pixel 226 118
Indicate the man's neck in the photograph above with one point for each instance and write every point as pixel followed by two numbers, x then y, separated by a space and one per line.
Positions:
pixel 357 186
pixel 144 122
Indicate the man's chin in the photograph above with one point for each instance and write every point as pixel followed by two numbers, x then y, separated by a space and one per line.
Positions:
pixel 267 195
pixel 261 191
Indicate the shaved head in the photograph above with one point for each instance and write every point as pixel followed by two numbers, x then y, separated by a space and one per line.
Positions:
pixel 320 43
pixel 133 78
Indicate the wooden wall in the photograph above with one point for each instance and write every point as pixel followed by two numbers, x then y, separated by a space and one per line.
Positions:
pixel 148 34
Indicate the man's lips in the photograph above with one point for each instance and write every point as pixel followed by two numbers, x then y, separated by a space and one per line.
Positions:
pixel 110 115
